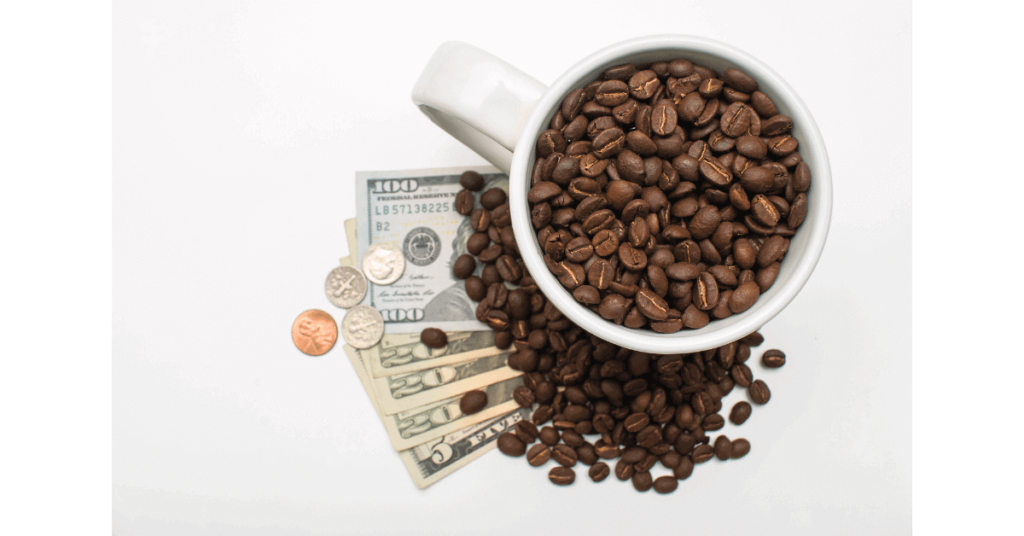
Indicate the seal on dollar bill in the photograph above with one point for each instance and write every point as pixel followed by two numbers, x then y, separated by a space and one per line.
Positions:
pixel 421 246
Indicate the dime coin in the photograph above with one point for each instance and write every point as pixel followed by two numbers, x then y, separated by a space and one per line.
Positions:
pixel 362 326
pixel 345 286
pixel 314 332
pixel 383 263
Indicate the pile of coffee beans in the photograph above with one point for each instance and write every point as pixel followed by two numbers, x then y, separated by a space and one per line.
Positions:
pixel 664 195
pixel 595 403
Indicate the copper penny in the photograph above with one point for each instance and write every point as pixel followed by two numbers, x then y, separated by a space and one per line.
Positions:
pixel 314 332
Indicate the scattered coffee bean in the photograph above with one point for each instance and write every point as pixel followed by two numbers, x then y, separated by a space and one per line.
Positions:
pixel 773 358
pixel 759 392
pixel 464 266
pixel 434 338
pixel 562 476
pixel 511 445
pixel 665 484
pixel 723 448
pixel 472 181
pixel 740 412
pixel 642 480
pixel 740 448
pixel 472 402
pixel 599 471
pixel 538 455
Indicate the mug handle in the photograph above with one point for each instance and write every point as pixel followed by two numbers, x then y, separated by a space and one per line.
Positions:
pixel 478 98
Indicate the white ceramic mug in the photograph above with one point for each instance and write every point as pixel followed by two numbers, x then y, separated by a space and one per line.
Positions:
pixel 499 112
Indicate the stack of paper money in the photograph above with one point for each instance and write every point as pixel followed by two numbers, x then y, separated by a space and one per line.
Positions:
pixel 415 389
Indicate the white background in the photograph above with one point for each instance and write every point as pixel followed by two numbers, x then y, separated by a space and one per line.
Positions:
pixel 237 131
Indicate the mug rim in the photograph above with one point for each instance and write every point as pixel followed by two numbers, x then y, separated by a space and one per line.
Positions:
pixel 683 341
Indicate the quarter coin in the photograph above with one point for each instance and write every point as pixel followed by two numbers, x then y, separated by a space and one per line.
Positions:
pixel 314 332
pixel 383 263
pixel 362 326
pixel 345 286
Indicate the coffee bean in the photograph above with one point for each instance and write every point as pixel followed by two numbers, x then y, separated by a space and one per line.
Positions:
pixel 713 422
pixel 642 480
pixel 599 471
pixel 773 358
pixel 612 93
pixel 723 448
pixel 434 338
pixel 684 469
pixel 472 402
pixel 562 476
pixel 524 396
pixel 740 412
pixel 511 445
pixel 527 431
pixel 538 455
pixel 759 392
pixel 703 453
pixel 744 297
pixel 464 202
pixel 665 484
pixel 740 448
pixel 471 180
pixel 464 266
pixel 565 455
pixel 480 219
pixel 548 435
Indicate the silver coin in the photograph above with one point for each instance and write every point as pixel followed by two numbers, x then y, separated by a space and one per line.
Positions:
pixel 383 263
pixel 345 286
pixel 362 326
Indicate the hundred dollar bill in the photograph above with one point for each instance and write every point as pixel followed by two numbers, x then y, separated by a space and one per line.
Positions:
pixel 401 353
pixel 436 420
pixel 403 392
pixel 416 211
pixel 434 460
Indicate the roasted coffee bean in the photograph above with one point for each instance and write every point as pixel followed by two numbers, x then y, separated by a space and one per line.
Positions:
pixel 480 219
pixel 642 480
pixel 623 470
pixel 548 435
pixel 740 448
pixel 492 198
pixel 464 266
pixel 511 445
pixel 524 396
pixel 564 455
pixel 475 288
pixel 773 358
pixel 744 297
pixel 759 392
pixel 599 471
pixel 471 180
pixel 526 431
pixel 434 338
pixel 579 249
pixel 503 340
pixel 538 455
pixel 472 402
pixel 741 374
pixel 562 476
pixel 703 453
pixel 713 422
pixel 740 412
pixel 723 448
pixel 464 202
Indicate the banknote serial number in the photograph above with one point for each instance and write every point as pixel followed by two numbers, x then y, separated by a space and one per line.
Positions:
pixel 411 208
